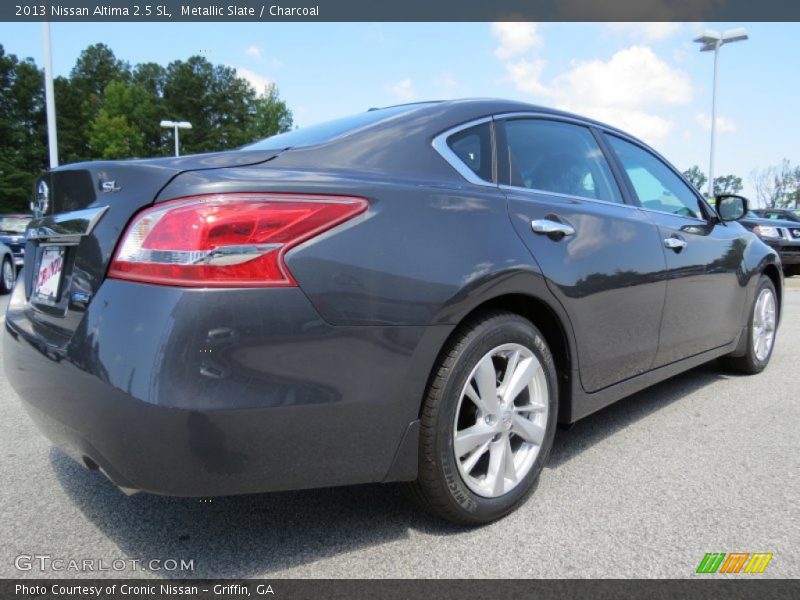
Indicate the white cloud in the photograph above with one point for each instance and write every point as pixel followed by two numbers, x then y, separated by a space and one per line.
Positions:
pixel 515 38
pixel 446 83
pixel 647 32
pixel 526 75
pixel 447 80
pixel 621 91
pixel 632 78
pixel 253 51
pixel 724 125
pixel 624 90
pixel 402 90
pixel 259 82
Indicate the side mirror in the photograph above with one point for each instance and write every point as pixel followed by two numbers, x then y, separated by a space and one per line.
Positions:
pixel 731 207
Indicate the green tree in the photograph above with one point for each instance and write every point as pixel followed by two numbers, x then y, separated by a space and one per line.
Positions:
pixel 142 112
pixel 113 137
pixel 215 100
pixel 727 184
pixel 82 98
pixel 777 186
pixel 23 149
pixel 270 115
pixel 696 177
pixel 107 110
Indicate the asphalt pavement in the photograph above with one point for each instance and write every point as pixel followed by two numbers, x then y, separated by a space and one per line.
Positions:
pixel 705 462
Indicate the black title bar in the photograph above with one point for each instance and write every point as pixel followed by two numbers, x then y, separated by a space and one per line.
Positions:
pixel 399 10
pixel 744 587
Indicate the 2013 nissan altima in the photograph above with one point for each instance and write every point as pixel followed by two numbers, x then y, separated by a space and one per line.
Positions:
pixel 417 293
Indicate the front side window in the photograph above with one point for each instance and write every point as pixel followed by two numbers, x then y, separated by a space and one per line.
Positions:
pixel 656 185
pixel 558 157
pixel 473 147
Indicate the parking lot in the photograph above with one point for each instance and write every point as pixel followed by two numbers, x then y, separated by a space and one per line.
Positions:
pixel 705 462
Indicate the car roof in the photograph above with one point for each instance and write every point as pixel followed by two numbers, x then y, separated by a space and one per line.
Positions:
pixel 492 106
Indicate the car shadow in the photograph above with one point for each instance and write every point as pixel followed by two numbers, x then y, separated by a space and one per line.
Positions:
pixel 255 535
pixel 606 422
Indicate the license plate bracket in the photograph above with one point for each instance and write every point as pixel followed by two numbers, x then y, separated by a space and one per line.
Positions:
pixel 49 275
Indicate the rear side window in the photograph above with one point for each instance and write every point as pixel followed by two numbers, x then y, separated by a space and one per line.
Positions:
pixel 473 147
pixel 656 185
pixel 558 157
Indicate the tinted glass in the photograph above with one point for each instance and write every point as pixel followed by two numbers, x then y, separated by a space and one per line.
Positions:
pixel 655 184
pixel 474 148
pixel 324 132
pixel 14 224
pixel 558 157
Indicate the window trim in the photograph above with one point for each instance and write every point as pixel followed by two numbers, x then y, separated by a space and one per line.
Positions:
pixel 710 212
pixel 440 145
pixel 502 119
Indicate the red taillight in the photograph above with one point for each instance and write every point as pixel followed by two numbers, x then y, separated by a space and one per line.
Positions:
pixel 225 240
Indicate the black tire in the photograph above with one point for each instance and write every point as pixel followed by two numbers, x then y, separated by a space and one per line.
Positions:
pixel 440 488
pixel 7 266
pixel 791 271
pixel 750 364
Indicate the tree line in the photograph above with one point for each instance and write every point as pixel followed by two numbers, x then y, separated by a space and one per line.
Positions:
pixel 108 109
pixel 774 186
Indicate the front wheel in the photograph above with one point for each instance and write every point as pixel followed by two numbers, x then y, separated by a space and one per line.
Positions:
pixel 761 329
pixel 8 276
pixel 488 420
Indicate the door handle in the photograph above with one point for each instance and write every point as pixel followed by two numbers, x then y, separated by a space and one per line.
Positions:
pixel 674 243
pixel 548 227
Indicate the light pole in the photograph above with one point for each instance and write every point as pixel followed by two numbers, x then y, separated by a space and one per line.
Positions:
pixel 49 97
pixel 176 125
pixel 713 40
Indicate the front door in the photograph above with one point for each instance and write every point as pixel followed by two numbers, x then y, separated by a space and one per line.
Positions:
pixel 705 285
pixel 601 257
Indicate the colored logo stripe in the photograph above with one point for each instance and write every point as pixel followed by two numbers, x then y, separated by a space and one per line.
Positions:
pixel 721 562
pixel 711 562
pixel 758 562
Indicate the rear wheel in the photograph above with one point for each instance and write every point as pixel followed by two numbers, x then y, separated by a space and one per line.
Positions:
pixel 761 330
pixel 8 276
pixel 488 420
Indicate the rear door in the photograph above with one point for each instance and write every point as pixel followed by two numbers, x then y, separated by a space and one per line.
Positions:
pixel 705 287
pixel 601 256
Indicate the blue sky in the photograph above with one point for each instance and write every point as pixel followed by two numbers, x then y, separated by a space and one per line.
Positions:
pixel 647 78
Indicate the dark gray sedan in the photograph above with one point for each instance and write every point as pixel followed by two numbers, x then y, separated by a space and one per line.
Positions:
pixel 417 293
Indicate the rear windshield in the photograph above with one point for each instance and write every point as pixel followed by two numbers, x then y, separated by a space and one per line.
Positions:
pixel 324 132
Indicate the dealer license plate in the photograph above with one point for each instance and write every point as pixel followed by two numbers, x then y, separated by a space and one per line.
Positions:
pixel 48 280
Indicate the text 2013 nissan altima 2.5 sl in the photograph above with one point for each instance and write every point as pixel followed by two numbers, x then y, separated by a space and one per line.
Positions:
pixel 417 293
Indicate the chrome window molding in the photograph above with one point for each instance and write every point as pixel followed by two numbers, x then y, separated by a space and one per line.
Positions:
pixel 440 145
pixel 515 188
pixel 518 188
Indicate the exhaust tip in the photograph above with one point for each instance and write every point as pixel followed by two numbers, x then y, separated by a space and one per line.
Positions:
pixel 128 491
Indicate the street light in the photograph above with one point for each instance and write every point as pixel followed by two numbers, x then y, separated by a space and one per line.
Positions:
pixel 713 40
pixel 176 125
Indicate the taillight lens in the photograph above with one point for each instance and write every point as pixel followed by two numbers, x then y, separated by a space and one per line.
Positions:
pixel 225 240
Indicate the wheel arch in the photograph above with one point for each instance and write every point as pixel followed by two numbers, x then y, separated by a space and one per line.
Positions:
pixel 552 324
pixel 771 271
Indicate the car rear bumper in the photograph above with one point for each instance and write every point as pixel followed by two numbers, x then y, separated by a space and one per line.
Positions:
pixel 200 393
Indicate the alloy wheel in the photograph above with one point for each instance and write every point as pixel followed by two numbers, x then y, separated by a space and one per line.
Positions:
pixel 8 274
pixel 764 320
pixel 500 420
